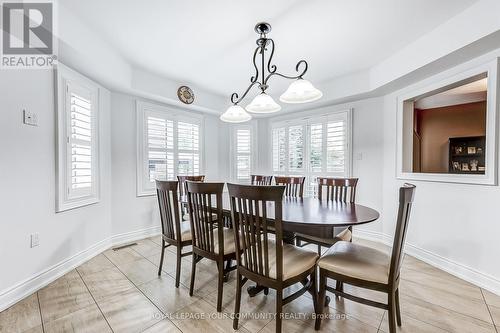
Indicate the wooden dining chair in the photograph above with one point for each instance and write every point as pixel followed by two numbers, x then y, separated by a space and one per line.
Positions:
pixel 294 186
pixel 263 259
pixel 365 267
pixel 340 190
pixel 173 231
pixel 210 238
pixel 182 189
pixel 261 180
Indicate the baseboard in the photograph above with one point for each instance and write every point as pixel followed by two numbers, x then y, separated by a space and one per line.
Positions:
pixel 25 288
pixel 461 271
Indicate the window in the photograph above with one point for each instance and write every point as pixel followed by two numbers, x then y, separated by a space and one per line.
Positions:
pixel 168 145
pixel 312 147
pixel 78 154
pixel 446 131
pixel 243 156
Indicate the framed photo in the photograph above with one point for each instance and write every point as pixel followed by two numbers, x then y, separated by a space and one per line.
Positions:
pixel 458 150
pixel 471 150
pixel 456 166
pixel 465 167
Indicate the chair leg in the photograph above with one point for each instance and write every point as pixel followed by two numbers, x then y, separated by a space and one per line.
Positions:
pixel 319 250
pixel 178 267
pixel 321 300
pixel 398 309
pixel 392 312
pixel 314 288
pixel 161 257
pixel 298 242
pixel 279 309
pixel 193 271
pixel 220 285
pixel 237 302
pixel 339 286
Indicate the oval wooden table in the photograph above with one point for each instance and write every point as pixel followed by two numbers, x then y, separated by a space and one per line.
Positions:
pixel 312 217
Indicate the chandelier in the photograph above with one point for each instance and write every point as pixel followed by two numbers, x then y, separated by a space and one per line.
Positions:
pixel 299 91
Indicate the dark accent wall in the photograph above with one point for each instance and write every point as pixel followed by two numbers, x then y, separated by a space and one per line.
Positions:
pixel 433 128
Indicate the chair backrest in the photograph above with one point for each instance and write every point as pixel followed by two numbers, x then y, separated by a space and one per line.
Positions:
pixel 183 179
pixel 294 185
pixel 261 180
pixel 168 202
pixel 337 189
pixel 406 194
pixel 200 205
pixel 249 213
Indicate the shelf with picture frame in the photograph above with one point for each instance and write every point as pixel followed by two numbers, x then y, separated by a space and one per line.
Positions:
pixel 467 155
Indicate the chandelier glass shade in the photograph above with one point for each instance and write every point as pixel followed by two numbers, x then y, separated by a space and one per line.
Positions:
pixel 235 114
pixel 299 91
pixel 263 103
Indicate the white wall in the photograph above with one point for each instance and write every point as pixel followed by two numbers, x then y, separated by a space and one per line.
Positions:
pixel 132 213
pixel 27 190
pixel 452 226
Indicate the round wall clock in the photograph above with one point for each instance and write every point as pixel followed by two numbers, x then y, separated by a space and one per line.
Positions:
pixel 185 95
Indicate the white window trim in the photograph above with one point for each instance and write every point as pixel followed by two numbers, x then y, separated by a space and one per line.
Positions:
pixel 456 75
pixel 145 108
pixel 252 126
pixel 64 77
pixel 306 118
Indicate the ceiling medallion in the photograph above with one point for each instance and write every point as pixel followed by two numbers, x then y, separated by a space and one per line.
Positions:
pixel 185 94
pixel 299 91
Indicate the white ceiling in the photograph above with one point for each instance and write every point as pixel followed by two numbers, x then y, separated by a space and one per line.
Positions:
pixel 210 43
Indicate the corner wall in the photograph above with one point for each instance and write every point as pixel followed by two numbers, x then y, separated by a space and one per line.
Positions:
pixel 27 198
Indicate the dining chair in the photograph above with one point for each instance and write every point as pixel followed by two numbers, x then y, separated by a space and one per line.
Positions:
pixel 366 267
pixel 261 180
pixel 173 231
pixel 264 258
pixel 339 190
pixel 210 238
pixel 294 186
pixel 182 189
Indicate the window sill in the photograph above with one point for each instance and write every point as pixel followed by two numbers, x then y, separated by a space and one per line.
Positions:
pixel 68 205
pixel 486 179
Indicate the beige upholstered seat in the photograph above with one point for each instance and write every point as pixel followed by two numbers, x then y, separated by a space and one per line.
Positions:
pixel 356 261
pixel 185 217
pixel 296 260
pixel 229 246
pixel 185 231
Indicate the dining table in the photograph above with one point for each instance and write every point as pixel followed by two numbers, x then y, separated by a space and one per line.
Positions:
pixel 310 216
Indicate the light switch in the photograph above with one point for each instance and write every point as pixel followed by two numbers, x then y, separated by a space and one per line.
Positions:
pixel 30 118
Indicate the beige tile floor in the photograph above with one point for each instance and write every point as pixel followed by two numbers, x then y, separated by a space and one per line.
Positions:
pixel 120 291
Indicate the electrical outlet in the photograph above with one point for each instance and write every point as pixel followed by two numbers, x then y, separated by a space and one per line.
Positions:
pixel 35 240
pixel 30 118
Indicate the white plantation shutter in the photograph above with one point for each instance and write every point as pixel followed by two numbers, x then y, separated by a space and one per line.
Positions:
pixel 336 146
pixel 243 154
pixel 169 146
pixel 312 147
pixel 160 141
pixel 81 142
pixel 188 146
pixel 77 166
pixel 279 150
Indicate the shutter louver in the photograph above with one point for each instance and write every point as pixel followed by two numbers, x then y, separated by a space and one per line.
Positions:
pixel 80 141
pixel 279 150
pixel 296 148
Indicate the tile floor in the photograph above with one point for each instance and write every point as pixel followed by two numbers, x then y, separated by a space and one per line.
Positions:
pixel 119 291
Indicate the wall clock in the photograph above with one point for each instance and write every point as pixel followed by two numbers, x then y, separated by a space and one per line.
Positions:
pixel 185 95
